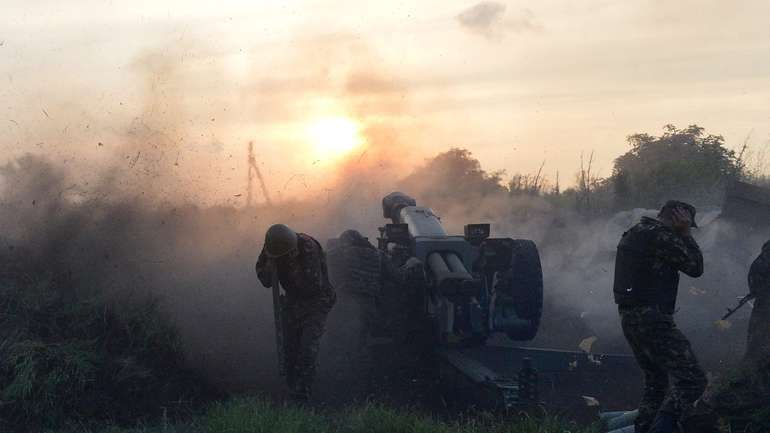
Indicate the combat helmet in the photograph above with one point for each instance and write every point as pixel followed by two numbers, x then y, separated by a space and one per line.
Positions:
pixel 280 240
pixel 354 238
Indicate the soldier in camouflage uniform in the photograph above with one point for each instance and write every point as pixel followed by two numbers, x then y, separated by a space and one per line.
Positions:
pixel 359 269
pixel 758 344
pixel 354 265
pixel 748 388
pixel 649 258
pixel 301 266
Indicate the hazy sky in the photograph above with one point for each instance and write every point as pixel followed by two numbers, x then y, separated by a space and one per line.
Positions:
pixel 517 83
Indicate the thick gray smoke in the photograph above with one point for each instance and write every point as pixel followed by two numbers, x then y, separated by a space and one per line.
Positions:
pixel 199 262
pixel 128 210
pixel 578 255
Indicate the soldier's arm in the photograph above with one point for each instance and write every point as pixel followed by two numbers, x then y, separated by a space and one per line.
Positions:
pixel 315 262
pixel 264 270
pixel 387 268
pixel 681 252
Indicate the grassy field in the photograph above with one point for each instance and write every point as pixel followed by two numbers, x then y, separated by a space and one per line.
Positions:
pixel 252 415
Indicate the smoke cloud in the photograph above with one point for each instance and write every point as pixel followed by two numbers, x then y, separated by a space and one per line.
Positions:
pixel 488 19
pixel 155 206
pixel 198 260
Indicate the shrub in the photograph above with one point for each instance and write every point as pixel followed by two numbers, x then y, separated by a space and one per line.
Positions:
pixel 64 358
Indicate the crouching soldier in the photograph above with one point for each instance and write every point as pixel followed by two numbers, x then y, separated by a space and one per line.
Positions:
pixel 298 263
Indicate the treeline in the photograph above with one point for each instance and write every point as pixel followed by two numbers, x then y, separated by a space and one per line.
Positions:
pixel 686 164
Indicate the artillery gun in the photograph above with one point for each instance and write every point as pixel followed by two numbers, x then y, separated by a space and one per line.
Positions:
pixel 471 286
pixel 470 300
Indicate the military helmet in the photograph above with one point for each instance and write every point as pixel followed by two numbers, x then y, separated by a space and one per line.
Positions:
pixel 280 240
pixel 675 204
pixel 352 237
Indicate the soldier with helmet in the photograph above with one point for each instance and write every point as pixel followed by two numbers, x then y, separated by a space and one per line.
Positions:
pixel 299 264
pixel 649 257
pixel 355 270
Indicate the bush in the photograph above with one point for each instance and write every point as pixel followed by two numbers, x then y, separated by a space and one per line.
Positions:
pixel 63 358
pixel 681 163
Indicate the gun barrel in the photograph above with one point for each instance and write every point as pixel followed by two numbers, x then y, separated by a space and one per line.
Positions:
pixel 455 264
pixel 451 277
pixel 437 264
pixel 421 221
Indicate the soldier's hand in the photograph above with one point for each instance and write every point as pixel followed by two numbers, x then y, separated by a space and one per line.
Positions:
pixel 681 221
pixel 413 269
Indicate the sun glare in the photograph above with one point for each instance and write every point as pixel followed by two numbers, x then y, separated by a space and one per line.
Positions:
pixel 333 137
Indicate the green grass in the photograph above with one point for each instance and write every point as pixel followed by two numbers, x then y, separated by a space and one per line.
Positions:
pixel 258 416
pixel 253 415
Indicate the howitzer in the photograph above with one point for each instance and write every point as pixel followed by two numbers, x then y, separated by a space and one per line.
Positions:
pixel 278 304
pixel 467 300
pixel 744 300
pixel 475 286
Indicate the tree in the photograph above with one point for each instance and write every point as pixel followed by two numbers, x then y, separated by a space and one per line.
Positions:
pixel 453 176
pixel 682 164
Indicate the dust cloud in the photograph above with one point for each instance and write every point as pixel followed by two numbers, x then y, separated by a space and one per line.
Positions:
pixel 578 255
pixel 155 205
pixel 160 211
pixel 199 261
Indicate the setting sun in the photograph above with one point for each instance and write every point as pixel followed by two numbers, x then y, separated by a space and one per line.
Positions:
pixel 333 137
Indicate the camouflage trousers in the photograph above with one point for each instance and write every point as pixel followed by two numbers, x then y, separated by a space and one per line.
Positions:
pixel 305 325
pixel 673 379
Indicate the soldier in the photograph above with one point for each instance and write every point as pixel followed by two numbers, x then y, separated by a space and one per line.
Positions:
pixel 301 269
pixel 649 258
pixel 758 344
pixel 355 270
pixel 748 388
pixel 359 269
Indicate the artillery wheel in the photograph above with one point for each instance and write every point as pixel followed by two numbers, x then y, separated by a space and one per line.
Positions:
pixel 524 281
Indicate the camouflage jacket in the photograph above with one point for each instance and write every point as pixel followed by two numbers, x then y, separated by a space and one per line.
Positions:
pixel 649 258
pixel 759 275
pixel 356 269
pixel 304 277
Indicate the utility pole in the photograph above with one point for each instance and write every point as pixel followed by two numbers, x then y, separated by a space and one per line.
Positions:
pixel 254 171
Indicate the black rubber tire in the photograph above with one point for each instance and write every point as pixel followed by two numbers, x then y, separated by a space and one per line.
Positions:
pixel 527 279
pixel 524 280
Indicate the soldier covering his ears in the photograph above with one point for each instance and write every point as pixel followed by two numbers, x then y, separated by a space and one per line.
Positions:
pixel 649 258
pixel 300 264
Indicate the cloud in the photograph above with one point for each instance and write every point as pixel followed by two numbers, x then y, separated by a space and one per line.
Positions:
pixel 488 19
pixel 482 16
